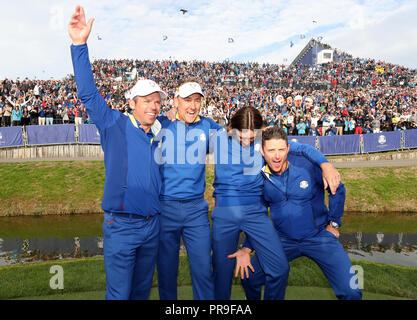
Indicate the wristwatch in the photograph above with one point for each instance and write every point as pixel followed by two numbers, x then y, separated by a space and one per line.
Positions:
pixel 334 224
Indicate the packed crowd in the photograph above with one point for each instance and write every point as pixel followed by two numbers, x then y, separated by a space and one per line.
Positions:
pixel 350 97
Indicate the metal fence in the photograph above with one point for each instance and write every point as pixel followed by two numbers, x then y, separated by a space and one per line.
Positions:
pixel 328 145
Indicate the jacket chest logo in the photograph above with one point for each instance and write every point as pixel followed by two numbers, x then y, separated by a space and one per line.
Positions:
pixel 203 137
pixel 303 184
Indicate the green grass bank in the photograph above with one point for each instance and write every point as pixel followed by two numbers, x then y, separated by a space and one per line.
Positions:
pixel 86 277
pixel 68 187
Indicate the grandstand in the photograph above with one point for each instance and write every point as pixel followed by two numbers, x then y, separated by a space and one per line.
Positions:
pixel 310 54
pixel 355 95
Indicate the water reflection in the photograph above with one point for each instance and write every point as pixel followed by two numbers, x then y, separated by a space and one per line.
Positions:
pixel 398 249
pixel 16 250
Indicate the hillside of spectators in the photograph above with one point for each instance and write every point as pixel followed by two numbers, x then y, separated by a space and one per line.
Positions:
pixel 350 97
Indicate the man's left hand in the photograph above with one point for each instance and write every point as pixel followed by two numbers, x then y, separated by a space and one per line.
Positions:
pixel 333 230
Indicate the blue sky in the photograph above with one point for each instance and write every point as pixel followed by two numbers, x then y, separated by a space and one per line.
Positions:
pixel 36 43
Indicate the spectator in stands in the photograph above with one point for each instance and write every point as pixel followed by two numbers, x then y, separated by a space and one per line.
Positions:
pixel 313 131
pixel 402 125
pixel 325 123
pixel 78 115
pixel 376 125
pixel 338 123
pixel 388 124
pixel 16 116
pixel 413 117
pixel 367 128
pixel 25 117
pixel 41 116
pixel 395 121
pixel 385 127
pixel 292 129
pixel 301 128
pixel 359 122
pixel 349 126
pixel 64 116
pixel 33 115
pixel 49 115
pixel 7 113
pixel 331 131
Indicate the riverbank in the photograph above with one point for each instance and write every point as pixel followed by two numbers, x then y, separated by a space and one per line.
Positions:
pixel 68 187
pixel 90 225
pixel 87 275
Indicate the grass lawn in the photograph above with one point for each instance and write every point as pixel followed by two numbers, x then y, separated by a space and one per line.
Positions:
pixel 186 293
pixel 86 277
pixel 65 187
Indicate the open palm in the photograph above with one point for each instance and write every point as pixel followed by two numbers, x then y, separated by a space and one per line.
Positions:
pixel 78 29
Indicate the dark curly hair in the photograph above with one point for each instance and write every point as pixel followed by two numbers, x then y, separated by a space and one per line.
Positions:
pixel 274 133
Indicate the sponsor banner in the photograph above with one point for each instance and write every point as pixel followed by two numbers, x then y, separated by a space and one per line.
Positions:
pixel 310 140
pixel 11 137
pixel 376 142
pixel 340 144
pixel 51 134
pixel 88 133
pixel 410 137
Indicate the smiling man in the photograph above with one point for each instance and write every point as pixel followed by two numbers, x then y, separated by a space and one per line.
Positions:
pixel 133 182
pixel 294 190
pixel 184 211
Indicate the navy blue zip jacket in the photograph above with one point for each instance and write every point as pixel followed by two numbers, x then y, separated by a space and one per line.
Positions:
pixel 296 199
pixel 133 181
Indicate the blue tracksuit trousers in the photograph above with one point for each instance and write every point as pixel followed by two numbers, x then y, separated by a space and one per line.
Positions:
pixel 189 219
pixel 227 223
pixel 130 248
pixel 325 249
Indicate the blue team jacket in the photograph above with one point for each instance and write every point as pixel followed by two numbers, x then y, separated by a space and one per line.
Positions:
pixel 238 168
pixel 182 157
pixel 296 199
pixel 133 181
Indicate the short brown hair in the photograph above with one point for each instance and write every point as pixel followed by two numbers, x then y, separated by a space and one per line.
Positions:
pixel 274 133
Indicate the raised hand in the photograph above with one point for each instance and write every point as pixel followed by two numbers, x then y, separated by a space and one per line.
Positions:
pixel 78 29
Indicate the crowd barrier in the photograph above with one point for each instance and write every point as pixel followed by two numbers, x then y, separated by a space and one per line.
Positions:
pixel 11 137
pixel 348 144
pixel 88 133
pixel 310 140
pixel 61 134
pixel 410 139
pixel 385 141
pixel 50 134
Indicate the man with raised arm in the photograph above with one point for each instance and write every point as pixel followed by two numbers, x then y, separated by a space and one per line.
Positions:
pixel 131 191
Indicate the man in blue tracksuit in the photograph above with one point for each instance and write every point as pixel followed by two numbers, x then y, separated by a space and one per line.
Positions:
pixel 239 204
pixel 306 227
pixel 133 183
pixel 184 144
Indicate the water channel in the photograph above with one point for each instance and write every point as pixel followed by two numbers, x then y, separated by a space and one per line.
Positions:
pixel 37 239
